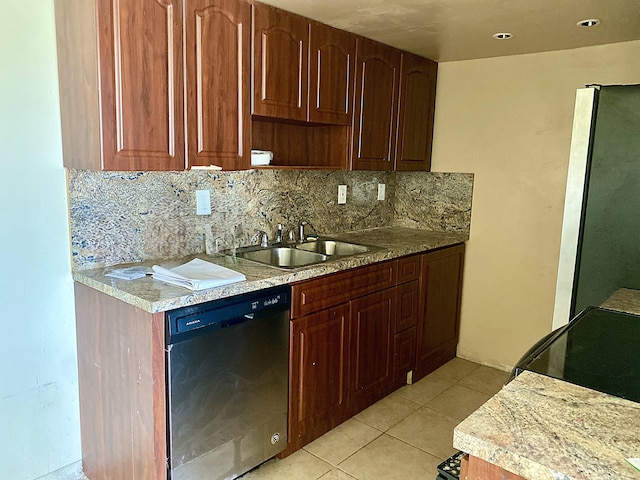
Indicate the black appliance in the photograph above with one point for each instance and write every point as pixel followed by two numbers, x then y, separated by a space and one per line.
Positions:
pixel 598 349
pixel 599 248
pixel 227 364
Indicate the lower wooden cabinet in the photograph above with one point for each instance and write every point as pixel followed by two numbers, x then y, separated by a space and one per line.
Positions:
pixel 404 356
pixel 474 468
pixel 318 377
pixel 439 324
pixel 371 348
pixel 356 335
pixel 405 327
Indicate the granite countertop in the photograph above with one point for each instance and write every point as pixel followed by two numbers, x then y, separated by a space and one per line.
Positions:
pixel 624 300
pixel 155 296
pixel 543 428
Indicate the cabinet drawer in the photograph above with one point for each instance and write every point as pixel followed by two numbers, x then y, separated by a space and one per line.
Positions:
pixel 404 355
pixel 407 305
pixel 314 295
pixel 408 268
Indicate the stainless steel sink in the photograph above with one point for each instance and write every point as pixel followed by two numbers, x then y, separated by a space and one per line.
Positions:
pixel 285 257
pixel 333 247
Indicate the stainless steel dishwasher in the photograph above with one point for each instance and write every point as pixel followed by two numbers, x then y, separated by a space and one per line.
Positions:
pixel 227 384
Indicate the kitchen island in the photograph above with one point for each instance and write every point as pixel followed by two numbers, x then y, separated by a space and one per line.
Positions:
pixel 539 427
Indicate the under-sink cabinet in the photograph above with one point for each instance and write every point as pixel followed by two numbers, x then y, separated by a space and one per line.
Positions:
pixel 356 335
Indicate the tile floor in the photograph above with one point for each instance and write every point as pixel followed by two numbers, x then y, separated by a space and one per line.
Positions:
pixel 404 436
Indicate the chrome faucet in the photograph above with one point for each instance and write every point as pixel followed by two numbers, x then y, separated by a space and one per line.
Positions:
pixel 301 236
pixel 264 238
pixel 279 233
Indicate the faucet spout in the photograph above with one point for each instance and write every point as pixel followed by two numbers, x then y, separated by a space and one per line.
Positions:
pixel 301 236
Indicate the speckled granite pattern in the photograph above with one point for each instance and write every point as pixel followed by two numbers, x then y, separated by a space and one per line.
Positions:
pixel 434 201
pixel 624 300
pixel 542 428
pixel 120 217
pixel 155 296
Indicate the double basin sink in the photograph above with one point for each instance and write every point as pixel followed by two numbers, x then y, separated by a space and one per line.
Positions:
pixel 301 254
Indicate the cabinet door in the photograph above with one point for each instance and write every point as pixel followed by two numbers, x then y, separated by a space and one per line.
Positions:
pixel 415 118
pixel 218 67
pixel 371 348
pixel 376 100
pixel 280 58
pixel 141 84
pixel 438 328
pixel 331 63
pixel 319 381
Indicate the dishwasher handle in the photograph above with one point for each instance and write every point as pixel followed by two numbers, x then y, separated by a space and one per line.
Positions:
pixel 237 321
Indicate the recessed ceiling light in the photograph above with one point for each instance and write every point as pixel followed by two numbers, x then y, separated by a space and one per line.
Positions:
pixel 502 36
pixel 590 22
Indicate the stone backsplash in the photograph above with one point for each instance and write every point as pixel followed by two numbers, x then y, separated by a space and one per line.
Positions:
pixel 119 217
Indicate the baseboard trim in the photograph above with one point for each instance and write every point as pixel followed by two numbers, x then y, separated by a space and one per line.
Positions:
pixel 70 472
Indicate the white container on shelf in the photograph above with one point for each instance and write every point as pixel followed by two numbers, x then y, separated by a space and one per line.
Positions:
pixel 261 157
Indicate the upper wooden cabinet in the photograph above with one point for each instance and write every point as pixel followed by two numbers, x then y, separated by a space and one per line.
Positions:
pixel 218 61
pixel 280 53
pixel 331 65
pixel 121 84
pixel 303 70
pixel 415 113
pixel 376 103
pixel 169 84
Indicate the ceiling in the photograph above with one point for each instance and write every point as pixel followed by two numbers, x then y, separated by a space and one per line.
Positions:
pixel 450 30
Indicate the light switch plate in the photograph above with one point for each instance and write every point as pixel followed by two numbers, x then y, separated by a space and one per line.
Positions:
pixel 203 202
pixel 382 190
pixel 342 194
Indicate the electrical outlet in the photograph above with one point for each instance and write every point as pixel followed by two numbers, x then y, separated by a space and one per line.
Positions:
pixel 382 189
pixel 342 194
pixel 203 202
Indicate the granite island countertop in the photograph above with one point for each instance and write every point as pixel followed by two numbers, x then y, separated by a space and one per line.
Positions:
pixel 156 296
pixel 542 428
pixel 545 429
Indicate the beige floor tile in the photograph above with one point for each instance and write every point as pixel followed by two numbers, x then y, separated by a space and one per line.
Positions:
pixel 486 380
pixel 343 441
pixel 458 402
pixel 388 458
pixel 425 390
pixel 454 370
pixel 387 412
pixel 299 466
pixel 428 430
pixel 336 474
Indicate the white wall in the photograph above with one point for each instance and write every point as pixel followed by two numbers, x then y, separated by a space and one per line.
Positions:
pixel 508 120
pixel 39 420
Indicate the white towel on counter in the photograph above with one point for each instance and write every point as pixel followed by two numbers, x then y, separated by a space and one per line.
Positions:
pixel 197 275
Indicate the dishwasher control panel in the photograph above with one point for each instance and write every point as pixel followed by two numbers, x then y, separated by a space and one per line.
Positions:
pixel 227 311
